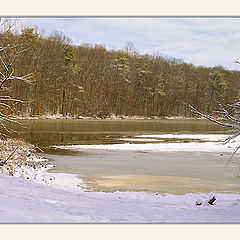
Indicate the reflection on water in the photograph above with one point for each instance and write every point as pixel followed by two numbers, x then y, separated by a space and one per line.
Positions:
pixel 75 131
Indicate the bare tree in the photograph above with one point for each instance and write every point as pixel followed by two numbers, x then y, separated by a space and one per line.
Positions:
pixel 9 54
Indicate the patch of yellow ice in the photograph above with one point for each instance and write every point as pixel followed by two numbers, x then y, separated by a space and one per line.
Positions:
pixel 113 181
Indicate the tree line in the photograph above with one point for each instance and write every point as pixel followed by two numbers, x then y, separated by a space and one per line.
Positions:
pixel 89 80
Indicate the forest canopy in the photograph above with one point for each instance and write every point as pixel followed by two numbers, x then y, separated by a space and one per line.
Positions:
pixel 89 80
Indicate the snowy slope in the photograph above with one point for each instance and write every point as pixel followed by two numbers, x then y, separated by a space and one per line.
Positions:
pixel 25 201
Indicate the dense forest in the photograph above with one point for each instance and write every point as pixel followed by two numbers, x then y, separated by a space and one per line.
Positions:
pixel 89 80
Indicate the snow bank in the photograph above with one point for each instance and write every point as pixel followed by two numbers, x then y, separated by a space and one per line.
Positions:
pixel 22 201
pixel 27 164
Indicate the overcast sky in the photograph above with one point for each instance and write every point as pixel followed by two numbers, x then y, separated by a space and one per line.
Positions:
pixel 201 41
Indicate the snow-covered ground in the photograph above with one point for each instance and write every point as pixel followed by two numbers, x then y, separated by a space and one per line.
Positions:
pixel 25 201
pixel 29 165
pixel 60 197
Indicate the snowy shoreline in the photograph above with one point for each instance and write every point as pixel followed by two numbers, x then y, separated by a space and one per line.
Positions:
pixel 29 165
pixel 111 117
pixel 24 200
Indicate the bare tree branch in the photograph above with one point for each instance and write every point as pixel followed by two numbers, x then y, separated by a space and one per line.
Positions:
pixel 12 153
pixel 9 53
pixel 226 119
pixel 222 123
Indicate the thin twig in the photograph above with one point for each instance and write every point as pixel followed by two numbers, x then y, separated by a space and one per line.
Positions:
pixel 4 161
pixel 232 156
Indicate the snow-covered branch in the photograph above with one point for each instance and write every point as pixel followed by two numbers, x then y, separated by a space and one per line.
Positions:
pixel 223 122
pixel 9 53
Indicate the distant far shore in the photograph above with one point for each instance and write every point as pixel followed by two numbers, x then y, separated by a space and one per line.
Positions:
pixel 111 117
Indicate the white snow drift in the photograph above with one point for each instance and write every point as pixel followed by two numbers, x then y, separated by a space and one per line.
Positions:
pixel 25 201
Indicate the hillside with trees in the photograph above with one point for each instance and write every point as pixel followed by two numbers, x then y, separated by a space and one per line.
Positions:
pixel 89 80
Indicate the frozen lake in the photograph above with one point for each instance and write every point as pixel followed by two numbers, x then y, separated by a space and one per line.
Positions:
pixel 165 156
